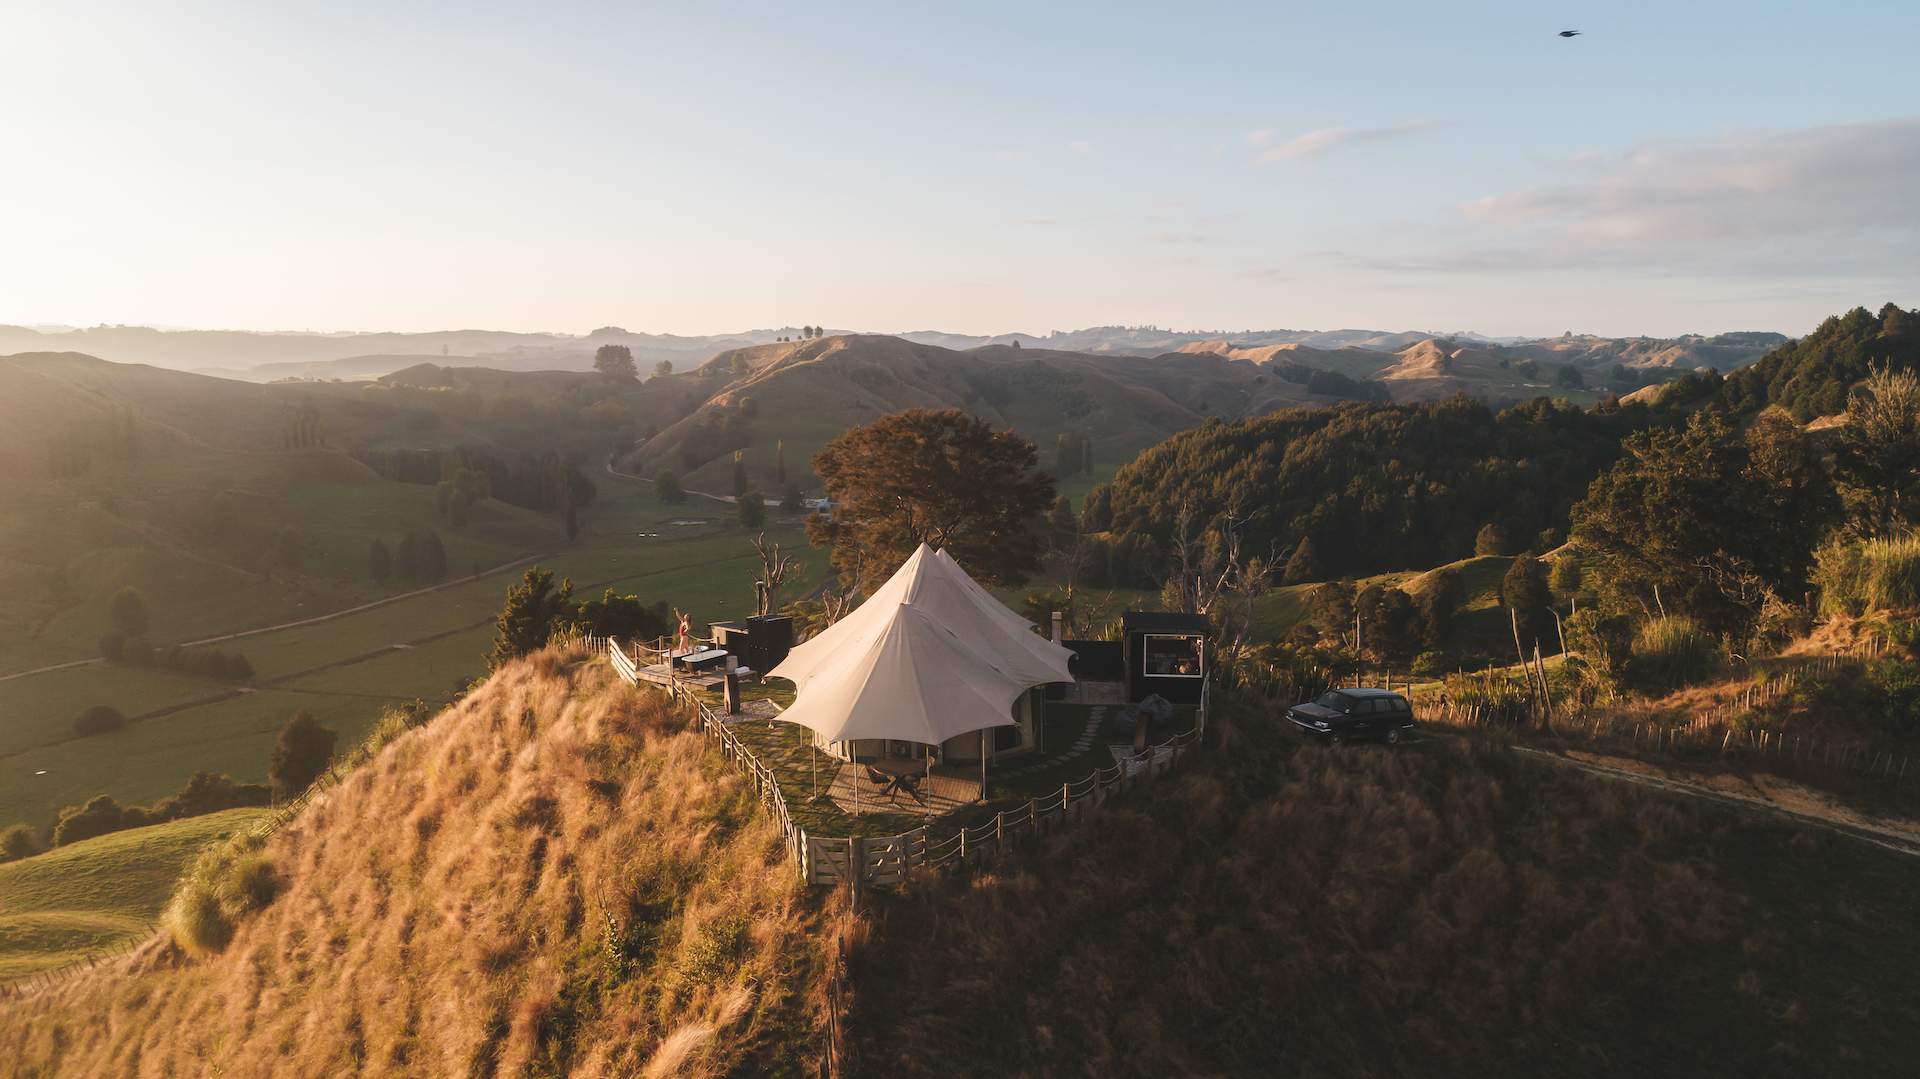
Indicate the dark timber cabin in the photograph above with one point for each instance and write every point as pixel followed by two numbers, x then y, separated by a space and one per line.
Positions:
pixel 1165 654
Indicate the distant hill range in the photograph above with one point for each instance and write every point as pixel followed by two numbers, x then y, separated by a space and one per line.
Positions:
pixel 776 404
pixel 270 356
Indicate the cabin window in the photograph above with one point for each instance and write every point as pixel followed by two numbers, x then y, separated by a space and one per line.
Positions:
pixel 1170 655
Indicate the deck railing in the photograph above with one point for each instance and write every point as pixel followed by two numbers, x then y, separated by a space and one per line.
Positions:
pixel 887 860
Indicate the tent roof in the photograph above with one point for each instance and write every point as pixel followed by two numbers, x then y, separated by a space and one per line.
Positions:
pixel 928 656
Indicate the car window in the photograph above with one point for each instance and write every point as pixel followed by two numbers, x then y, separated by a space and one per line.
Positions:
pixel 1400 705
pixel 1382 705
pixel 1332 700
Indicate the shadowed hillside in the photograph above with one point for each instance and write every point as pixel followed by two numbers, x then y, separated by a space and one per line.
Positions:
pixel 551 877
pixel 1438 910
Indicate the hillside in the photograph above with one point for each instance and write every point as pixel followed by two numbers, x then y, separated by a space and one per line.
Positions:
pixel 1813 376
pixel 802 394
pixel 1436 910
pixel 100 893
pixel 552 877
pixel 1400 487
pixel 218 497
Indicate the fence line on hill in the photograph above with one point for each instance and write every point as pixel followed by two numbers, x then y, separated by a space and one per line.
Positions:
pixel 887 860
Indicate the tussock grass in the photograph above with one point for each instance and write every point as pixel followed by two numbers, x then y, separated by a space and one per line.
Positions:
pixel 1862 576
pixel 1673 651
pixel 553 877
pixel 1441 909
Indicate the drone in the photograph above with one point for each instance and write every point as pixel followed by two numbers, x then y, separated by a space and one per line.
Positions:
pixel 1569 33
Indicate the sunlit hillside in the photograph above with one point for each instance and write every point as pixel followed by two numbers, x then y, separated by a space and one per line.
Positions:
pixel 552 877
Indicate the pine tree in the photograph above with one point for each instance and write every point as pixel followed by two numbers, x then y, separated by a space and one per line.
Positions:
pixel 739 473
pixel 533 609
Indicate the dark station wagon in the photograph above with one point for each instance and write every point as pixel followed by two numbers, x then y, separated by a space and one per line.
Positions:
pixel 1345 715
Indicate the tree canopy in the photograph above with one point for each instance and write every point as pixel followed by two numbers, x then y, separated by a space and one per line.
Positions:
pixel 938 477
pixel 615 361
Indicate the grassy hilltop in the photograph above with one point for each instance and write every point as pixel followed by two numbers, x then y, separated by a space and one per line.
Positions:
pixel 553 877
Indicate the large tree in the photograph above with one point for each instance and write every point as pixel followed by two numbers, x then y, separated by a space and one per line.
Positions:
pixel 1690 521
pixel 1878 458
pixel 615 361
pixel 943 478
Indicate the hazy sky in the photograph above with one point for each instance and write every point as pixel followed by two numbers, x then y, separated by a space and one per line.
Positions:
pixel 973 167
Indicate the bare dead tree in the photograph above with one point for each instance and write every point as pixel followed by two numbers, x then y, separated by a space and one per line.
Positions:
pixel 775 568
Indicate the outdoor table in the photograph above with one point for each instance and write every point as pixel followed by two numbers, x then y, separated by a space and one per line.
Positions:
pixel 906 773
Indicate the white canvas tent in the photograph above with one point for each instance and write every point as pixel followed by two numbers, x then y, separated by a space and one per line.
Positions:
pixel 928 657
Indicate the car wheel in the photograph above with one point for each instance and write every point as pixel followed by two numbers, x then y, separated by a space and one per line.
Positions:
pixel 1393 736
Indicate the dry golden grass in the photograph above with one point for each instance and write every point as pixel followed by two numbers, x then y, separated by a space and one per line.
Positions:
pixel 553 877
pixel 1440 909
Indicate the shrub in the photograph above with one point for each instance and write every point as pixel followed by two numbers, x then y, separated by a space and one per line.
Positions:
pixel 128 610
pixel 753 510
pixel 99 719
pixel 302 752
pixel 1893 573
pixel 1897 685
pixel 1495 699
pixel 1564 577
pixel 1673 651
pixel 1431 664
pixel 18 842
pixel 1492 540
pixel 1858 576
pixel 195 920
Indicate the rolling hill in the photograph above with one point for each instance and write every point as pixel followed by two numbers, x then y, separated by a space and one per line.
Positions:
pixel 801 394
pixel 99 893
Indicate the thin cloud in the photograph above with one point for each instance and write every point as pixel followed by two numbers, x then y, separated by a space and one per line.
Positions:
pixel 1316 143
pixel 1836 198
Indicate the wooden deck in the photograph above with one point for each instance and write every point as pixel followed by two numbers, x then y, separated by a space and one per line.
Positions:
pixel 952 787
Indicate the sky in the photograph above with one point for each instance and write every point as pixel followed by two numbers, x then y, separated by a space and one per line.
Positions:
pixel 978 167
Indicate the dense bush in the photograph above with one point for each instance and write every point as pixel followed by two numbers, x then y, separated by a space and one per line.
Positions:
pixel 204 793
pixel 18 842
pixel 213 663
pixel 99 719
pixel 1673 651
pixel 1374 487
pixel 1814 375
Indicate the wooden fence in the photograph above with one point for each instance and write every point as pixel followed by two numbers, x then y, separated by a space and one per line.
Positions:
pixel 887 860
